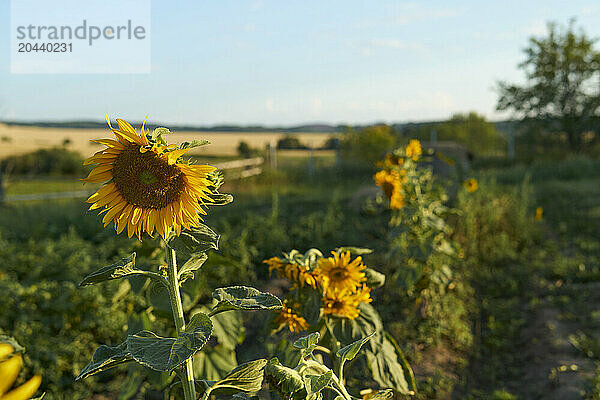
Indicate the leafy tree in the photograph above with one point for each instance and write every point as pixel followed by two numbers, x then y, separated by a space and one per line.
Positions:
pixel 367 144
pixel 562 92
pixel 471 130
pixel 290 142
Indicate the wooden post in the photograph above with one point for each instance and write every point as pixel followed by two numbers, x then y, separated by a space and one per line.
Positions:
pixel 311 162
pixel 433 136
pixel 273 154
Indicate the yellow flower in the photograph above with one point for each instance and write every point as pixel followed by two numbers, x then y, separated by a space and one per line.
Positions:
pixel 339 273
pixel 391 160
pixel 294 322
pixel 9 370
pixel 413 149
pixel 345 302
pixel 471 185
pixel 146 187
pixel 397 200
pixel 298 274
pixel 539 213
pixel 390 182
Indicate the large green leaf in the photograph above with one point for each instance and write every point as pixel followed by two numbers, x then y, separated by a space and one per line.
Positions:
pixel 195 240
pixel 385 366
pixel 350 351
pixel 106 357
pixel 121 269
pixel 193 264
pixel 243 298
pixel 228 328
pixel 164 354
pixel 246 377
pixel 213 363
pixel 285 380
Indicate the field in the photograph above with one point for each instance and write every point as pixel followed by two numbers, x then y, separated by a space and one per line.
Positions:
pixel 22 139
pixel 517 316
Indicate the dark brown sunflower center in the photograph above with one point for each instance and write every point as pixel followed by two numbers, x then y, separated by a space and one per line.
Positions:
pixel 388 189
pixel 145 179
pixel 338 274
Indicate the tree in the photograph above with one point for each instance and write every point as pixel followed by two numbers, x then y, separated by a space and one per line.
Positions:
pixel 562 92
pixel 472 131
pixel 367 144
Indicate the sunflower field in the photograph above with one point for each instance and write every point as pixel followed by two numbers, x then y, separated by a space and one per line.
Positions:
pixel 360 281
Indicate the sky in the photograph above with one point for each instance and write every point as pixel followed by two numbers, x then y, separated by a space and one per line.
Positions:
pixel 283 63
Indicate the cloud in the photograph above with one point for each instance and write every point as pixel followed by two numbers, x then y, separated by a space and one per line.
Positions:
pixel 371 47
pixel 270 105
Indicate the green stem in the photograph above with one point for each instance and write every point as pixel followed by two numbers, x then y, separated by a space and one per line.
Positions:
pixel 187 377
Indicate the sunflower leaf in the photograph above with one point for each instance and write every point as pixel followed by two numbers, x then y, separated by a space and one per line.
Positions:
pixel 359 251
pixel 106 357
pixel 350 351
pixel 375 279
pixel 307 344
pixel 195 240
pixel 382 394
pixel 121 269
pixel 193 143
pixel 193 264
pixel 314 384
pixel 165 354
pixel 246 377
pixel 243 298
pixel 284 379
pixel 158 133
pixel 220 199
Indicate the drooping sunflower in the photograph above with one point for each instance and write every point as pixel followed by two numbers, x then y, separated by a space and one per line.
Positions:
pixel 295 273
pixel 147 185
pixel 388 180
pixel 471 185
pixel 344 302
pixel 413 149
pixel 338 273
pixel 539 213
pixel 294 322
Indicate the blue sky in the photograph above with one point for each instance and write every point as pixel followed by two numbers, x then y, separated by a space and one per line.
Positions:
pixel 285 63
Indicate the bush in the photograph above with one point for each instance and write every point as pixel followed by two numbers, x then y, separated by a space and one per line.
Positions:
pixel 290 142
pixel 55 161
pixel 368 144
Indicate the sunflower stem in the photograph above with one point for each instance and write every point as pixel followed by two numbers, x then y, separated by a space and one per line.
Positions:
pixel 187 377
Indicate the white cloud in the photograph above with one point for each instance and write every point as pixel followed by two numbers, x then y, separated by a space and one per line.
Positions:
pixel 270 105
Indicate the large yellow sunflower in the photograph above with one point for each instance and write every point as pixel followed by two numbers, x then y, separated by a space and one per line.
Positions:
pixel 388 180
pixel 147 186
pixel 344 302
pixel 339 273
pixel 294 322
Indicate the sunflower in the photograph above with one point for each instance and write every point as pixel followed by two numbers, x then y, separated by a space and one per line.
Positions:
pixel 389 180
pixel 413 149
pixel 9 371
pixel 339 273
pixel 298 274
pixel 539 213
pixel 471 185
pixel 294 322
pixel 147 185
pixel 344 302
pixel 391 160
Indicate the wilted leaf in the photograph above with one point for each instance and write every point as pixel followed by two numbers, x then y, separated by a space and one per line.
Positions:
pixel 193 264
pixel 358 251
pixel 193 143
pixel 385 366
pixel 375 279
pixel 382 395
pixel 164 354
pixel 220 199
pixel 243 298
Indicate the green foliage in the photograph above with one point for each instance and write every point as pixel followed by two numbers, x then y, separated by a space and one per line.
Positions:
pixel 290 142
pixel 367 144
pixel 55 161
pixel 472 131
pixel 560 93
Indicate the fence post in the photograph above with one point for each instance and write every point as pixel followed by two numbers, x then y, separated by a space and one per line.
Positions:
pixel 273 154
pixel 433 136
pixel 311 162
